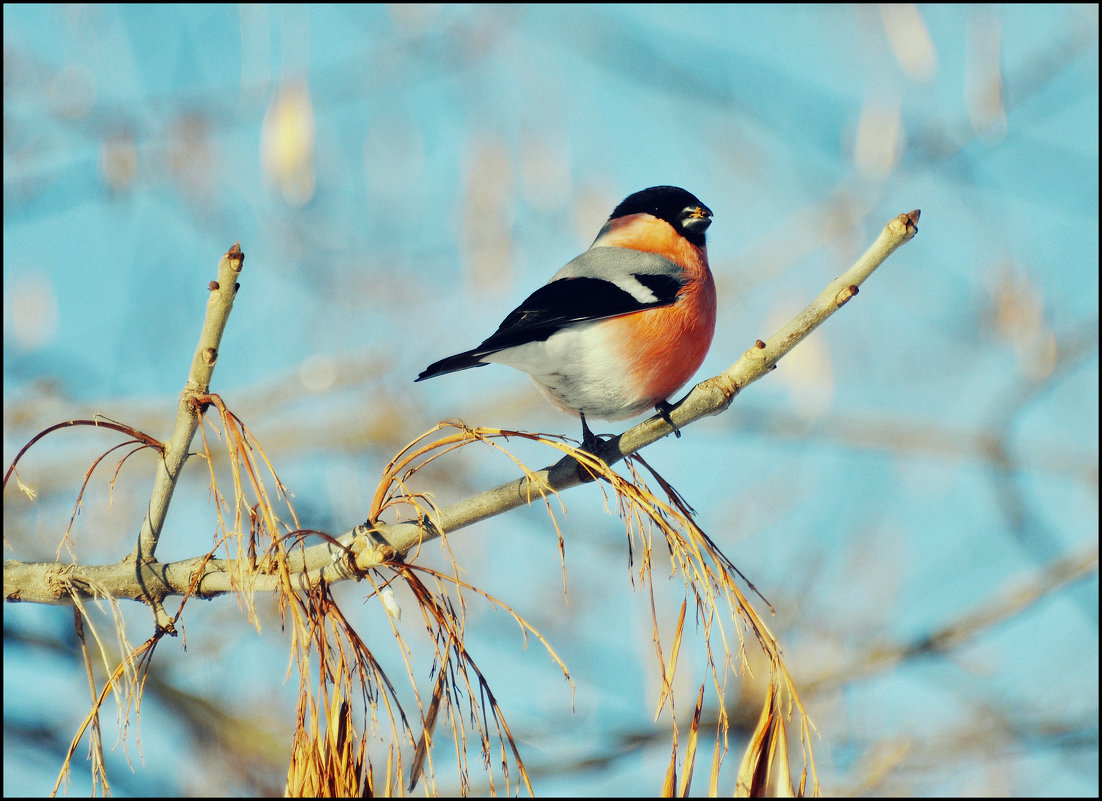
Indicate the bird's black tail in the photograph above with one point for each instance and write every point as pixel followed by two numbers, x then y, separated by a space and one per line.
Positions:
pixel 460 361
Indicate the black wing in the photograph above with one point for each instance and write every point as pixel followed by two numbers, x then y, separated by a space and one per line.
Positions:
pixel 561 303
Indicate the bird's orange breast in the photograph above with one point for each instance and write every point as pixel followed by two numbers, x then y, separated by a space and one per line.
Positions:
pixel 665 346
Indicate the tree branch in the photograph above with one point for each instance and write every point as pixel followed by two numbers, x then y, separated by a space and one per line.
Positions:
pixel 372 544
pixel 219 305
pixel 710 397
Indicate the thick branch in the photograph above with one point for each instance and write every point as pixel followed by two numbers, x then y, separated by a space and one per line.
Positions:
pixel 710 397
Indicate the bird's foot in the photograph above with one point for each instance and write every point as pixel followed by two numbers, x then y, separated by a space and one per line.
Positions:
pixel 590 441
pixel 664 408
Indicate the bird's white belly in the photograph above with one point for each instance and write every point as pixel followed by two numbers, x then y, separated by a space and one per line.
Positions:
pixel 579 370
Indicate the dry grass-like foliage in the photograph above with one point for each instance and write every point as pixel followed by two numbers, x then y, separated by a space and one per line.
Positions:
pixel 353 736
pixel 346 701
pixel 654 525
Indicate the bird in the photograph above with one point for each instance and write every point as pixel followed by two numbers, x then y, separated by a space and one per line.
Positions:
pixel 623 326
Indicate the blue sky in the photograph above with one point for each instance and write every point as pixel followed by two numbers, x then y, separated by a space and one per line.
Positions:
pixel 929 450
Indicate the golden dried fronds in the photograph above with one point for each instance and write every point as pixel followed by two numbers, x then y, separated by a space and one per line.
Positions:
pixel 352 730
pixel 460 695
pixel 710 580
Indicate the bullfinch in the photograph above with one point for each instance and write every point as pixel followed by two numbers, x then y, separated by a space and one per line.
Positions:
pixel 624 325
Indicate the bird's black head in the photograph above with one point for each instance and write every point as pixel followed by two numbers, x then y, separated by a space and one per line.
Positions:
pixel 673 204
